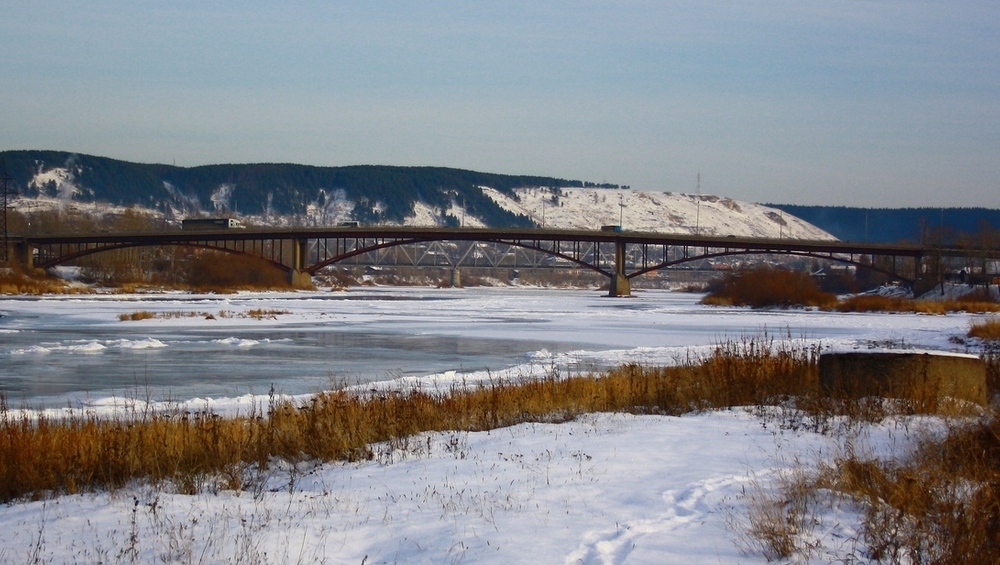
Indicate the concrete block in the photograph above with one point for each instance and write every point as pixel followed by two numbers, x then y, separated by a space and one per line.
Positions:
pixel 921 376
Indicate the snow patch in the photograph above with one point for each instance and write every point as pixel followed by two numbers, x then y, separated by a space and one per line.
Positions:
pixel 237 342
pixel 222 196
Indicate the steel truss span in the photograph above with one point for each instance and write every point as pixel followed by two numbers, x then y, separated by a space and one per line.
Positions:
pixel 619 255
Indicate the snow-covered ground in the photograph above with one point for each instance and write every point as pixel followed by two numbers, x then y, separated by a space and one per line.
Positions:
pixel 604 489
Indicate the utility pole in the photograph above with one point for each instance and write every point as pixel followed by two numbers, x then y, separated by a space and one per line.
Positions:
pixel 697 215
pixel 621 215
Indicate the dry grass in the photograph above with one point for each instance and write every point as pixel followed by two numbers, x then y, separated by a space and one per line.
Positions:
pixel 874 303
pixel 256 314
pixel 41 456
pixel 779 288
pixel 136 316
pixel 986 329
pixel 938 503
pixel 15 281
pixel 777 518
pixel 265 313
pixel 765 287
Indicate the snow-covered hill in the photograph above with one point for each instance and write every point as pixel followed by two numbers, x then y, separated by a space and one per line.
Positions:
pixel 569 208
pixel 663 212
pixel 666 212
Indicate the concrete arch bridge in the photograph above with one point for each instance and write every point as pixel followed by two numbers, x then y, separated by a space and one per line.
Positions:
pixel 618 255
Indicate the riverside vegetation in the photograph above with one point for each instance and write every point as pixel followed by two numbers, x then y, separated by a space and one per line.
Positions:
pixel 933 505
pixel 767 287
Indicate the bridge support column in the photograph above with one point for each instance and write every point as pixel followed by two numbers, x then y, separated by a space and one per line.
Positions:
pixel 22 254
pixel 300 279
pixel 924 273
pixel 620 285
pixel 298 276
pixel 456 278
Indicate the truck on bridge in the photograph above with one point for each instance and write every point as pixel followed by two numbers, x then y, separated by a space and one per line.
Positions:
pixel 211 224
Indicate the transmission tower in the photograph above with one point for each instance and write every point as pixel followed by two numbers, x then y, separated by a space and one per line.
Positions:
pixel 4 195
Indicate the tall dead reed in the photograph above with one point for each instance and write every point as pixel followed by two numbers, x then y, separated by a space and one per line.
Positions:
pixel 986 329
pixel 41 456
pixel 14 280
pixel 938 505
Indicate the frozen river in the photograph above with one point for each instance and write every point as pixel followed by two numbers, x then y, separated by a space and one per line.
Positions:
pixel 74 350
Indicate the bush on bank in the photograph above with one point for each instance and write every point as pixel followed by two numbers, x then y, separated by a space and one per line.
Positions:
pixel 767 287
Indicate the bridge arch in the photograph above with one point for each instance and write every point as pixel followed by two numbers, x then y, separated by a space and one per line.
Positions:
pixel 79 254
pixel 316 267
pixel 825 257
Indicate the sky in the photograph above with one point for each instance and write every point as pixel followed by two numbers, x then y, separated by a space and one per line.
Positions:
pixel 883 103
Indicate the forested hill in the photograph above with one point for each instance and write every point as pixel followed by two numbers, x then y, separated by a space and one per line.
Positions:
pixel 375 193
pixel 890 225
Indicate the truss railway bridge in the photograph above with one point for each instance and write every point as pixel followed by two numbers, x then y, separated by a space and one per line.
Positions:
pixel 618 255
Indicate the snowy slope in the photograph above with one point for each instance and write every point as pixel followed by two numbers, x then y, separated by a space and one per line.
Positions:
pixel 569 208
pixel 667 212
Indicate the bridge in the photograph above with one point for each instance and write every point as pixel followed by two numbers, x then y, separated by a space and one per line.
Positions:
pixel 619 255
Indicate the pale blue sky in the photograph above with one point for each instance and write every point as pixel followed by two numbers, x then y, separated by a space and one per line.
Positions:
pixel 846 102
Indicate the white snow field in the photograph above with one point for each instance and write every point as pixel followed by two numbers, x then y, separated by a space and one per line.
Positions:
pixel 603 489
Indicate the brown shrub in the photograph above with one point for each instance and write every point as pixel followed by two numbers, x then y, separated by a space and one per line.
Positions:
pixel 764 287
pixel 221 272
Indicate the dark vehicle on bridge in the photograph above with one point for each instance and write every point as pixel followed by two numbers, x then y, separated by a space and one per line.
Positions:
pixel 212 224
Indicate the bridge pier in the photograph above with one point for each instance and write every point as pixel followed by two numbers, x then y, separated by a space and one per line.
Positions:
pixel 20 253
pixel 300 279
pixel 620 285
pixel 298 276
